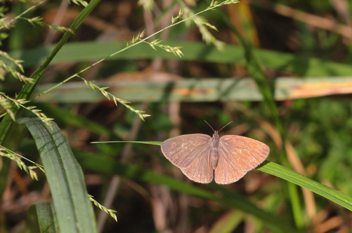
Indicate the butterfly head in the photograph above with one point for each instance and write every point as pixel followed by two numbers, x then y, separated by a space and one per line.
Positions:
pixel 216 132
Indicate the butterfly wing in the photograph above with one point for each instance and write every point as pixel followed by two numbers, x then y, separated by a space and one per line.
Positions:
pixel 200 169
pixel 191 153
pixel 237 156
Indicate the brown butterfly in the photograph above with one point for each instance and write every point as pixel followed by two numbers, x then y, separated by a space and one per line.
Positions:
pixel 198 155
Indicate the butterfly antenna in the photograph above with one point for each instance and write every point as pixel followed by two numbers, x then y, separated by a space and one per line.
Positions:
pixel 209 125
pixel 225 126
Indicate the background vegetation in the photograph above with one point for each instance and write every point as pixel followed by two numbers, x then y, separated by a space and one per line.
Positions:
pixel 280 70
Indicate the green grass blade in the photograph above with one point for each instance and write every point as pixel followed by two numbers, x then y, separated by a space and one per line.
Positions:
pixel 45 218
pixel 155 143
pixel 291 176
pixel 65 178
pixel 284 173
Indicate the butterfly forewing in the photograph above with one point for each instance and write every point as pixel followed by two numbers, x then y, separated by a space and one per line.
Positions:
pixel 183 150
pixel 237 156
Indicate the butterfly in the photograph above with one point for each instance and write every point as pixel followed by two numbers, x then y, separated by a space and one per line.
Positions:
pixel 226 159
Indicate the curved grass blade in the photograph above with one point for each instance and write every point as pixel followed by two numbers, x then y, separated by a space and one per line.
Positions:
pixel 329 193
pixel 290 176
pixel 65 177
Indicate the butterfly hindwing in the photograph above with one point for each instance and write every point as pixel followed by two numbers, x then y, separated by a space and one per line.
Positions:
pixel 200 169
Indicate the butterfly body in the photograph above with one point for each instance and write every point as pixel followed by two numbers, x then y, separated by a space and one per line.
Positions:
pixel 214 156
pixel 226 159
